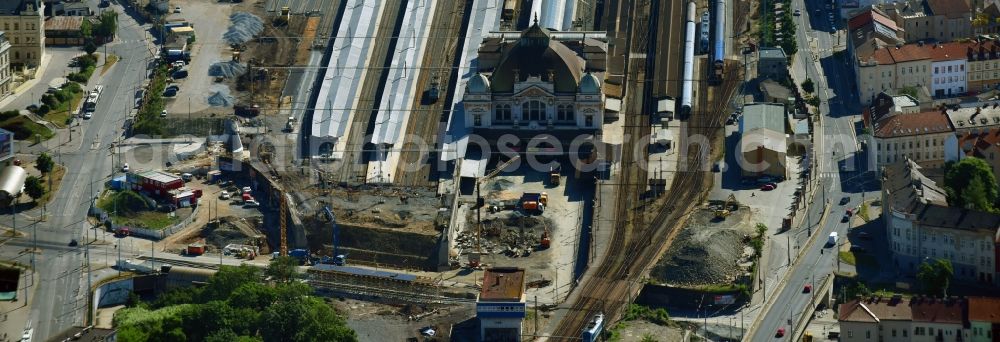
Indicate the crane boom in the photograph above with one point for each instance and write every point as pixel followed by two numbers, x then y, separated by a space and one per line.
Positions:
pixel 283 216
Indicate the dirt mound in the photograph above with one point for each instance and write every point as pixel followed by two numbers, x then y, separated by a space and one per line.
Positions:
pixel 707 251
pixel 230 230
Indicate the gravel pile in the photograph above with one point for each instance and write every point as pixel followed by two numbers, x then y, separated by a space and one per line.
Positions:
pixel 220 96
pixel 698 263
pixel 244 27
pixel 230 69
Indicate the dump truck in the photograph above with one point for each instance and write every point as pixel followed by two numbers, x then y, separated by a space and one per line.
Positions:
pixel 195 249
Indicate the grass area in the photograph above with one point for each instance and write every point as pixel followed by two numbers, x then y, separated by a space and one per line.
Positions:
pixel 25 129
pixel 863 212
pixel 108 63
pixel 61 115
pixel 130 209
pixel 57 174
pixel 848 258
pixel 148 121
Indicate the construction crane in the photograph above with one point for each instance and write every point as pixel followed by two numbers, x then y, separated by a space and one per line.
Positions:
pixel 724 212
pixel 474 257
pixel 282 217
pixel 338 259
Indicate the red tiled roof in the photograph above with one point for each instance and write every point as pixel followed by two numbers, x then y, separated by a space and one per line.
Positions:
pixel 875 308
pixel 938 310
pixel 984 309
pixel 912 124
pixel 949 8
pixel 949 51
pixel 974 144
pixel 866 17
pixel 905 53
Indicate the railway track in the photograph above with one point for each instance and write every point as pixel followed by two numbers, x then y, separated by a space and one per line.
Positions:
pixel 355 167
pixel 417 154
pixel 635 245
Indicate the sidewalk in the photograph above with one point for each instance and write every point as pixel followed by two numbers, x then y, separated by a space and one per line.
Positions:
pixel 14 315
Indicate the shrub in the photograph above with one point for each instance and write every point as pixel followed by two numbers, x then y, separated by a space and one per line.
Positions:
pixel 43 109
pixel 50 100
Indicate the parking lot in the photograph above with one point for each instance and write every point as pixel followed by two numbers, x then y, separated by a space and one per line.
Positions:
pixel 210 20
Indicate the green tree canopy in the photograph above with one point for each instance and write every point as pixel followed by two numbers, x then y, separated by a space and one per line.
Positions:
pixel 44 163
pixel 808 86
pixel 282 268
pixel 970 183
pixel 935 276
pixel 235 306
pixel 34 188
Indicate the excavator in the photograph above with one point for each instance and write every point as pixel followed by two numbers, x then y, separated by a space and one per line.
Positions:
pixel 724 212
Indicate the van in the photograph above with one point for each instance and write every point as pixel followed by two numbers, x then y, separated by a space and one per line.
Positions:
pixel 831 240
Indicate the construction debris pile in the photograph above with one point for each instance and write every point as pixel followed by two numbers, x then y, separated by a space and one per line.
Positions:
pixel 511 234
pixel 233 231
pixel 244 27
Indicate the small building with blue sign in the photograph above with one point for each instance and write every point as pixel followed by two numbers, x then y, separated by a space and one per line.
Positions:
pixel 501 305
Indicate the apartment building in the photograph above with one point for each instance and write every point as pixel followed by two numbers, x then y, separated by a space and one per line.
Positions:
pixel 24 24
pixel 869 30
pixel 948 73
pixel 922 137
pixel 985 146
pixel 931 20
pixel 920 225
pixel 892 68
pixel 919 319
pixel 983 64
pixel 5 76
pixel 974 119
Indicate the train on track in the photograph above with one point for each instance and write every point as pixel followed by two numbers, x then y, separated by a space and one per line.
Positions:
pixel 595 326
pixel 718 42
pixel 687 84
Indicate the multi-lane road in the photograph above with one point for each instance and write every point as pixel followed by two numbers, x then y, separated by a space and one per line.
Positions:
pixel 60 296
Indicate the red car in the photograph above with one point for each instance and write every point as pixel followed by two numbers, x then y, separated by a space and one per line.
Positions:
pixel 780 333
pixel 808 288
pixel 767 187
pixel 850 212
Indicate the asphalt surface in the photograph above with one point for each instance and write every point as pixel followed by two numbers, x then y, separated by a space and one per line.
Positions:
pixel 60 298
pixel 839 167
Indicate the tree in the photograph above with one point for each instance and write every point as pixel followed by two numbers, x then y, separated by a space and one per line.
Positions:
pixel 304 319
pixel 935 276
pixel 912 91
pixel 227 280
pixel 970 183
pixel 44 163
pixel 34 188
pixel 90 47
pixel 808 86
pixel 282 268
pixel 86 28
pixel 858 289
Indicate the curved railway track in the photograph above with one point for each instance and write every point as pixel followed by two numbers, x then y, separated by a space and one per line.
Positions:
pixel 636 243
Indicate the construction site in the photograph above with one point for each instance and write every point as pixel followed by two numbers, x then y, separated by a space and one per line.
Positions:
pixel 713 247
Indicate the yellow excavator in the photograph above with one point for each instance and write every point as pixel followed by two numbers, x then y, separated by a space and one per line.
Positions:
pixel 724 212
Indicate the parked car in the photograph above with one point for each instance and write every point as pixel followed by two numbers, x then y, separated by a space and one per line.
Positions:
pixel 163 113
pixel 844 200
pixel 177 9
pixel 849 212
pixel 32 107
pixel 247 190
pixel 170 92
pixel 845 218
pixel 73 243
pixel 767 187
pixel 125 167
pixel 251 204
pixel 224 195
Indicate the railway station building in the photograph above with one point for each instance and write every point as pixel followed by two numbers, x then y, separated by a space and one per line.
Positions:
pixel 538 83
pixel 500 306
pixel 763 143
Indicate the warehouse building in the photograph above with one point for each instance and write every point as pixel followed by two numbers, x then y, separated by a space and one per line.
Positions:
pixel 501 305
pixel 763 143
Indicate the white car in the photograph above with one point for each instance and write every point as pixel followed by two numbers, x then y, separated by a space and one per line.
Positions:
pixel 247 190
pixel 251 204
pixel 125 167
pixel 88 114
pixel 177 9
pixel 163 114
pixel 224 195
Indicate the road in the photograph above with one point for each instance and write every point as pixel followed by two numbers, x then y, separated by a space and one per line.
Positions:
pixel 838 165
pixel 60 296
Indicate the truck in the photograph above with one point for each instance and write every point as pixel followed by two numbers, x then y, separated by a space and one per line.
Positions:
pixel 195 249
pixel 534 202
pixel 299 254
